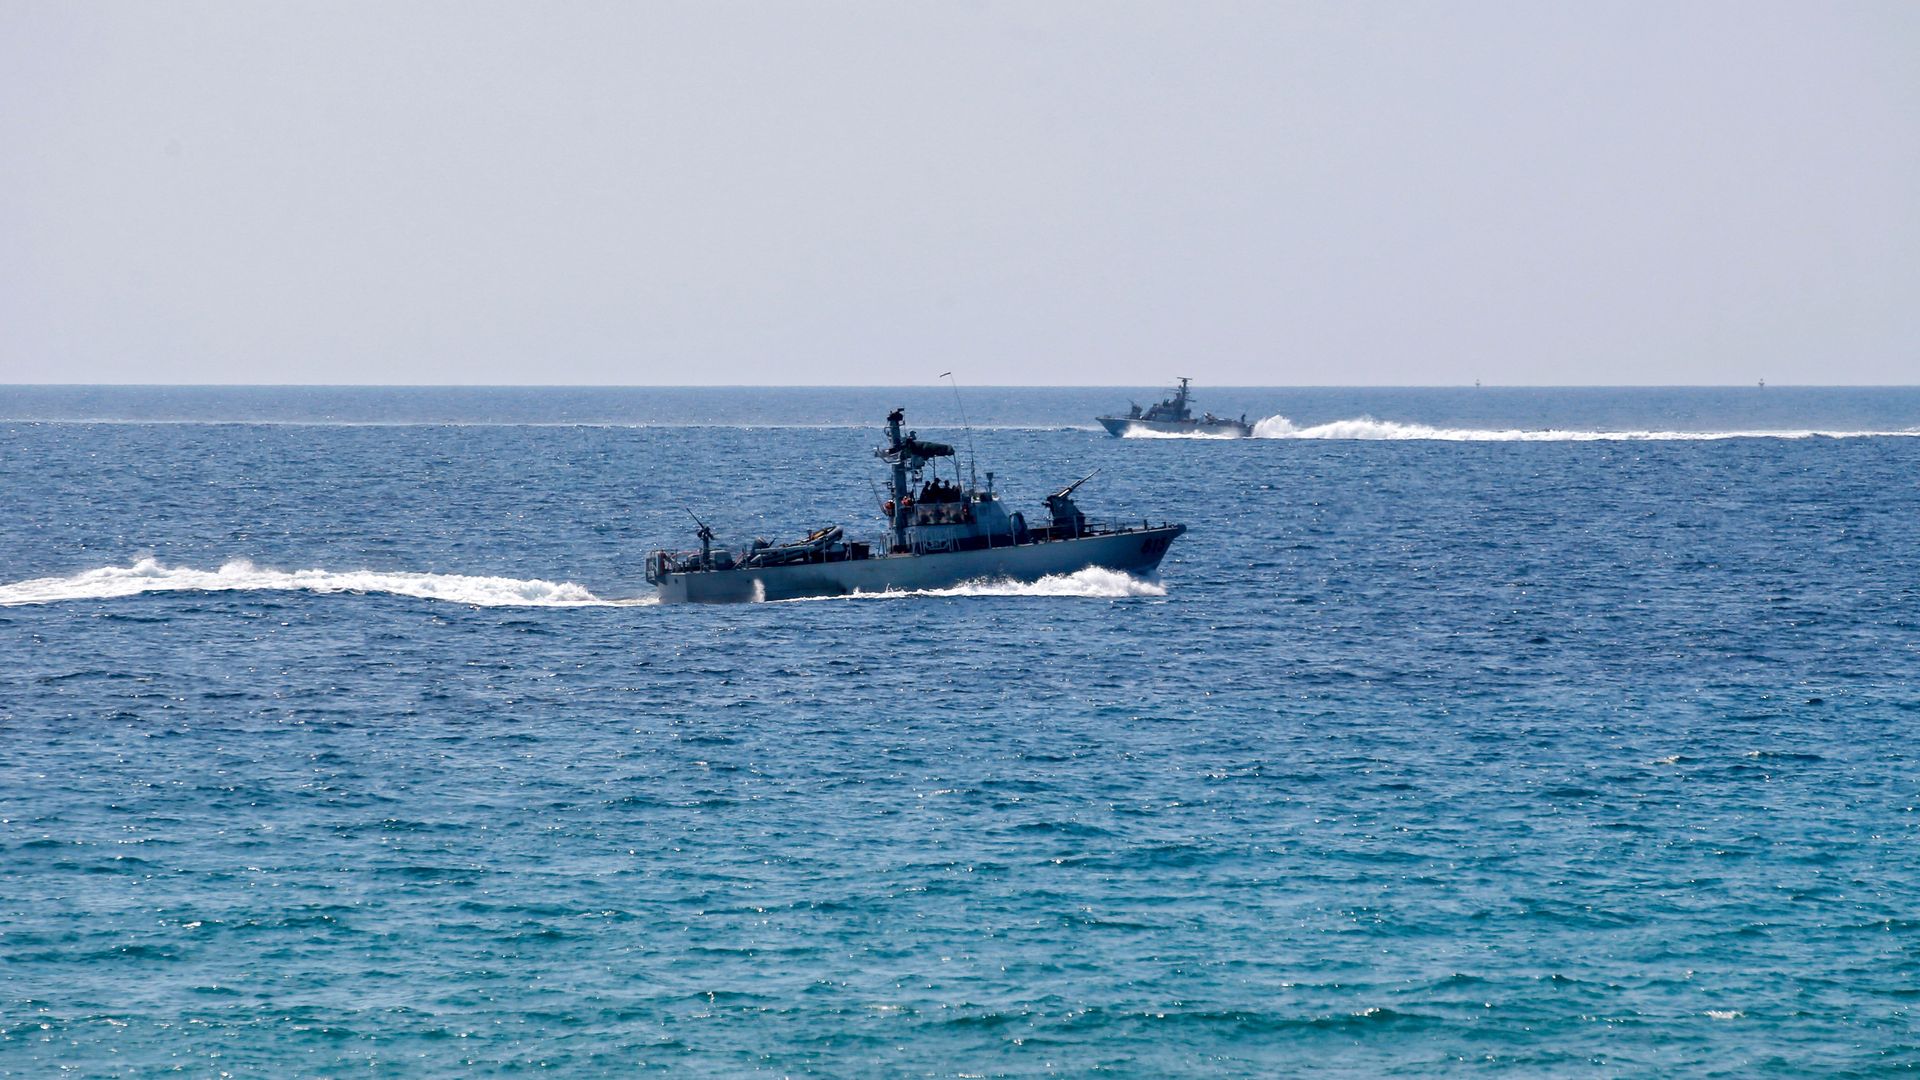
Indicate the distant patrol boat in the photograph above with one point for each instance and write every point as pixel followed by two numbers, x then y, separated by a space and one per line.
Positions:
pixel 940 537
pixel 1174 417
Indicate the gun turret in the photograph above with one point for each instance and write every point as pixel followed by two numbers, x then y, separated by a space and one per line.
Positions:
pixel 1071 488
pixel 1066 515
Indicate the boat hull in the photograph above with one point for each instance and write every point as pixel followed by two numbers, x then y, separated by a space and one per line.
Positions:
pixel 1220 429
pixel 1134 551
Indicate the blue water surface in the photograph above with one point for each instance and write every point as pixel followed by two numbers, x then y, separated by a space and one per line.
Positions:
pixel 1511 755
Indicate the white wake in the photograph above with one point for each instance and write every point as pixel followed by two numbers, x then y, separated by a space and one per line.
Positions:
pixel 1094 582
pixel 1148 433
pixel 148 575
pixel 1280 427
pixel 240 575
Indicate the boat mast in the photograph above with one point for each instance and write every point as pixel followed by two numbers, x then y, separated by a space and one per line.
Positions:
pixel 898 456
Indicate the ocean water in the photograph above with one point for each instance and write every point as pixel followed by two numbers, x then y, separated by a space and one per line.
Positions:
pixel 1562 732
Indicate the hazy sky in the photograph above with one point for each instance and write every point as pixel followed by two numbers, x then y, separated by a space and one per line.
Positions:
pixel 1038 192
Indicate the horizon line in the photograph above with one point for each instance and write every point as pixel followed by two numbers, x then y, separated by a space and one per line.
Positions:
pixel 1757 385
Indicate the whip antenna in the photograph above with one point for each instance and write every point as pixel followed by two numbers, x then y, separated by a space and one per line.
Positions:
pixel 973 477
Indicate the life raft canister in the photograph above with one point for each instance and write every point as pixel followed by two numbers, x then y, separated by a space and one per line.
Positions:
pixel 888 507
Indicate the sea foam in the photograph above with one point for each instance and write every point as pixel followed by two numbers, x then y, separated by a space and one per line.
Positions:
pixel 148 575
pixel 1280 427
pixel 241 575
pixel 1094 582
pixel 1147 433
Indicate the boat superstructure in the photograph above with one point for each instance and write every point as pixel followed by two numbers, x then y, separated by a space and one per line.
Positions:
pixel 940 533
pixel 1174 416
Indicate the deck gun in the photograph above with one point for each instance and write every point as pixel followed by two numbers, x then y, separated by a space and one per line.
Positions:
pixel 706 541
pixel 1066 515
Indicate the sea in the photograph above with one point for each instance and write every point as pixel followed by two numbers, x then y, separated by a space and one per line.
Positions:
pixel 1491 731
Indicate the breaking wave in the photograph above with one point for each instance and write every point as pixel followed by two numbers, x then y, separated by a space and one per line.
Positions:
pixel 1094 582
pixel 148 575
pixel 1280 427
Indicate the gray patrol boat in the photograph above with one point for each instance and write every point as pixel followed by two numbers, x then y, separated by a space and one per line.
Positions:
pixel 941 536
pixel 1174 417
